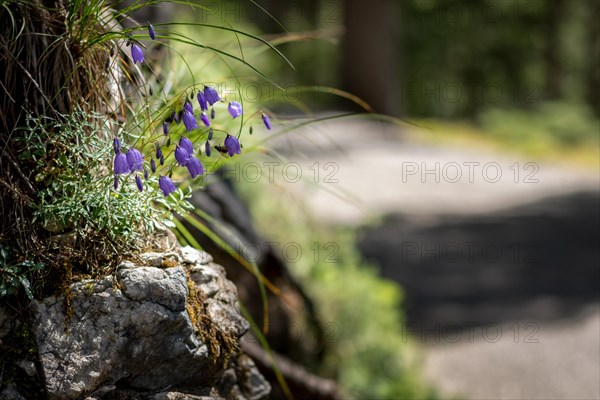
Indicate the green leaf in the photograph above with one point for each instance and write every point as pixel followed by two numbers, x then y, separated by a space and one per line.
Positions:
pixel 26 285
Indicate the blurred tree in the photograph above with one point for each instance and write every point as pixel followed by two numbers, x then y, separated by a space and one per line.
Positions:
pixel 592 79
pixel 552 54
pixel 369 67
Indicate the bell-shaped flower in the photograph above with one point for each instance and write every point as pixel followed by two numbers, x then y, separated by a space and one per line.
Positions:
pixel 151 32
pixel 210 134
pixel 205 119
pixel 135 160
pixel 120 164
pixel 232 145
pixel 138 182
pixel 202 101
pixel 152 165
pixel 195 167
pixel 182 156
pixel 137 53
pixel 187 145
pixel 188 106
pixel 189 121
pixel 266 120
pixel 235 109
pixel 117 145
pixel 165 128
pixel 211 95
pixel 207 148
pixel 166 185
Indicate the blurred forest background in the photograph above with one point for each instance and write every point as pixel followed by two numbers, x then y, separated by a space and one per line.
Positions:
pixel 519 75
pixel 450 59
pixel 523 71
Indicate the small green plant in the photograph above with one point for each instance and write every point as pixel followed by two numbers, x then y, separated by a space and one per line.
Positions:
pixel 14 275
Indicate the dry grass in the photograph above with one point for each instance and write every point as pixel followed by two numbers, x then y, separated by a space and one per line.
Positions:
pixel 53 60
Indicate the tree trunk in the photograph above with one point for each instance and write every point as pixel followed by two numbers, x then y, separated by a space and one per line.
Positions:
pixel 369 59
pixel 552 52
pixel 593 56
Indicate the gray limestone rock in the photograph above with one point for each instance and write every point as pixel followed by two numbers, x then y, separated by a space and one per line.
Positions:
pixel 133 329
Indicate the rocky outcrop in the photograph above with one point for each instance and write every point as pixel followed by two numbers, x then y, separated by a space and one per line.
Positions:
pixel 161 328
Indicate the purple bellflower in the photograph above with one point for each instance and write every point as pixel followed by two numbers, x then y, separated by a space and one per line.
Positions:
pixel 202 101
pixel 153 165
pixel 266 120
pixel 235 109
pixel 135 160
pixel 187 145
pixel 182 156
pixel 233 145
pixel 211 95
pixel 188 106
pixel 151 32
pixel 117 145
pixel 159 155
pixel 189 121
pixel 205 119
pixel 166 128
pixel 120 164
pixel 137 53
pixel 207 148
pixel 166 185
pixel 195 167
pixel 138 182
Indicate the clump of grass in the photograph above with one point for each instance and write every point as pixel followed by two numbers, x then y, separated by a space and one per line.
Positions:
pixel 45 73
